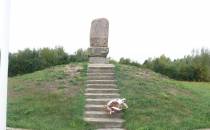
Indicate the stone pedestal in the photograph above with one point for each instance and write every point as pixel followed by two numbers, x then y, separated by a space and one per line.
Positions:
pixel 98 51
pixel 98 60
pixel 99 41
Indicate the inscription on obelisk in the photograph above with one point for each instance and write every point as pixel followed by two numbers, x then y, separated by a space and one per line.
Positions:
pixel 99 41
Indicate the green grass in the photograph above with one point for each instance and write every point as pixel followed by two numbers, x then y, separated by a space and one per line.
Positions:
pixel 158 103
pixel 51 99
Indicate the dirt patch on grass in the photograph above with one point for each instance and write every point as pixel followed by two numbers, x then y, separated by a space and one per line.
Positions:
pixel 53 84
pixel 147 74
pixel 49 86
pixel 72 91
pixel 177 91
pixel 72 70
pixel 18 88
pixel 63 85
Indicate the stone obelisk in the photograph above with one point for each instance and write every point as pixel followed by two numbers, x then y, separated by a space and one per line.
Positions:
pixel 99 41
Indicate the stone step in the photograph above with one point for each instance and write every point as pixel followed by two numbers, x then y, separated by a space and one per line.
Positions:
pixel 101 74
pixel 102 114
pixel 100 71
pixel 101 81
pixel 101 86
pixel 110 129
pixel 101 90
pixel 101 77
pixel 99 101
pixel 101 66
pixel 90 107
pixel 105 122
pixel 102 95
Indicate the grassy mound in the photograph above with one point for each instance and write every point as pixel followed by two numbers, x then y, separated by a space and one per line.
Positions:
pixel 158 103
pixel 51 99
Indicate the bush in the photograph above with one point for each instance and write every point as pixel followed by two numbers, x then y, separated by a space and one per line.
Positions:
pixel 127 61
pixel 194 67
pixel 79 56
pixel 28 61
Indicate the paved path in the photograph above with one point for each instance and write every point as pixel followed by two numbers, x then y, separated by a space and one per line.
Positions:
pixel 101 87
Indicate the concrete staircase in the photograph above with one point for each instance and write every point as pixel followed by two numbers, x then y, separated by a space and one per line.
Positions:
pixel 101 87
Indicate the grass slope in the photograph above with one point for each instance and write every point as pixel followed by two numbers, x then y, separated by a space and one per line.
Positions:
pixel 158 103
pixel 51 99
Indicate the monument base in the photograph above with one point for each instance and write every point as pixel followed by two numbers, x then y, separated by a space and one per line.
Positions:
pixel 98 60
pixel 98 51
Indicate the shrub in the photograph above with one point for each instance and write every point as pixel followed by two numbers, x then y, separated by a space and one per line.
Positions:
pixel 27 61
pixel 129 62
pixel 194 67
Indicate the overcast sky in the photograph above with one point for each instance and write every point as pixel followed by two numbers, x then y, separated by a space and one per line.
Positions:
pixel 138 29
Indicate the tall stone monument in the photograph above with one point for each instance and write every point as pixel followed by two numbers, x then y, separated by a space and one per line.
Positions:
pixel 99 41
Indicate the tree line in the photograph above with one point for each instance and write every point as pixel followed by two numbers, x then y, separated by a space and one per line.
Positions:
pixel 27 60
pixel 194 67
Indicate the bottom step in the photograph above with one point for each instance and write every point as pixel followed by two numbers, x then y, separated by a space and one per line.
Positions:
pixel 102 114
pixel 105 122
pixel 110 129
